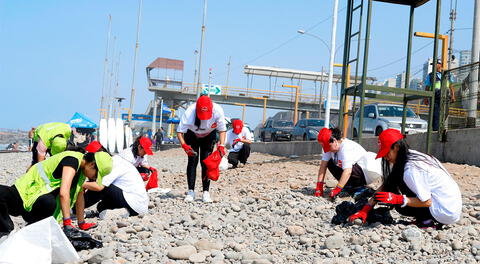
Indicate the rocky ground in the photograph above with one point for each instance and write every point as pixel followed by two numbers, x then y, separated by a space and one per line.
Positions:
pixel 265 212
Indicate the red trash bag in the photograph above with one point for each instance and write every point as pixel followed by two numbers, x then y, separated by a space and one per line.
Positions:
pixel 153 181
pixel 212 162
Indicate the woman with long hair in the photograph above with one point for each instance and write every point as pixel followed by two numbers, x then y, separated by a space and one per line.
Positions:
pixel 416 184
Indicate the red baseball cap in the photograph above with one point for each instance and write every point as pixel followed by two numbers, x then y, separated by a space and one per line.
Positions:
pixel 324 137
pixel 386 139
pixel 146 143
pixel 204 107
pixel 93 147
pixel 237 126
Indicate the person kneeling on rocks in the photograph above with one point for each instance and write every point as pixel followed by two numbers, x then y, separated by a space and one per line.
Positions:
pixel 239 139
pixel 416 184
pixel 51 188
pixel 137 156
pixel 197 133
pixel 121 188
pixel 345 159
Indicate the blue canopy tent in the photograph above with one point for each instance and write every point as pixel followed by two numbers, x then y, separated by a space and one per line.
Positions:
pixel 81 121
pixel 173 121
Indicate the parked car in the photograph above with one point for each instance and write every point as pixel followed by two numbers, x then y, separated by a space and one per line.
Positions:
pixel 378 117
pixel 307 129
pixel 275 130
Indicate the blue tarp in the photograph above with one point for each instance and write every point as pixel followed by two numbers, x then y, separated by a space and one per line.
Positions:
pixel 173 121
pixel 81 121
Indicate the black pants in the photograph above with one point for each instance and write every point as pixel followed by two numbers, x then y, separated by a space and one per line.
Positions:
pixel 357 178
pixel 158 144
pixel 34 153
pixel 204 147
pixel 241 156
pixel 111 197
pixel 436 110
pixel 11 204
pixel 419 213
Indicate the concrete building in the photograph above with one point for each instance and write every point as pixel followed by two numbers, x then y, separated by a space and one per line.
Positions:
pixel 465 59
pixel 390 82
pixel 416 84
pixel 400 80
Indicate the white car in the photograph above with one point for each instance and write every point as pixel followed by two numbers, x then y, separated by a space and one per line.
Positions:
pixel 378 117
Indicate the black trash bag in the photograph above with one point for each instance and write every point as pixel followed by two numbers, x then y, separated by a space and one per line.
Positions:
pixel 381 215
pixel 346 209
pixel 81 240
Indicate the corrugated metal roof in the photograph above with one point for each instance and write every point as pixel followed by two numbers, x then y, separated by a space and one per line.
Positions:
pixel 415 3
pixel 164 63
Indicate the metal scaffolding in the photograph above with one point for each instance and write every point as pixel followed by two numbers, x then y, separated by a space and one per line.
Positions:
pixel 364 90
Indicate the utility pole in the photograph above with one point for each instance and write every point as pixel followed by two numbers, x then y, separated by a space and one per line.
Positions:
pixel 209 80
pixel 105 69
pixel 453 17
pixel 472 109
pixel 228 75
pixel 132 95
pixel 201 48
pixel 332 59
pixel 112 79
pixel 196 64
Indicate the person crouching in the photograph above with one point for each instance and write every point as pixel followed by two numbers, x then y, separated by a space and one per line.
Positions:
pixel 239 139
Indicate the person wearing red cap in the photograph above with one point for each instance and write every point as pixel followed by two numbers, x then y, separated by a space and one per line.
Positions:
pixel 341 157
pixel 416 184
pixel 239 140
pixel 197 133
pixel 137 154
pixel 121 188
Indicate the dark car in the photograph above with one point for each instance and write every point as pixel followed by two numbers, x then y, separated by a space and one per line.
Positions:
pixel 275 130
pixel 307 129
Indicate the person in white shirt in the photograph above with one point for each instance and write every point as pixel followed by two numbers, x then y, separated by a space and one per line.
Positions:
pixel 341 157
pixel 416 184
pixel 197 133
pixel 122 188
pixel 239 140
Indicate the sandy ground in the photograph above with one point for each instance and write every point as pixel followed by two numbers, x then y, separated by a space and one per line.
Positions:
pixel 265 212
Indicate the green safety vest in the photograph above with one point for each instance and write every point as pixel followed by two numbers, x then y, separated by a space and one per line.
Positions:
pixel 438 83
pixel 49 131
pixel 39 180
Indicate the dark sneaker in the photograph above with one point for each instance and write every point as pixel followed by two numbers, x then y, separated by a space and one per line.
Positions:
pixel 92 214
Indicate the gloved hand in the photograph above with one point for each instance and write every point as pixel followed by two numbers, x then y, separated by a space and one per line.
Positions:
pixel 67 223
pixel 319 189
pixel 236 141
pixel 152 169
pixel 336 191
pixel 221 150
pixel 389 198
pixel 189 150
pixel 362 214
pixel 85 226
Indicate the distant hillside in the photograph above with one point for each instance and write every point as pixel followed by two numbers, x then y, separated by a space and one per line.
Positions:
pixel 8 136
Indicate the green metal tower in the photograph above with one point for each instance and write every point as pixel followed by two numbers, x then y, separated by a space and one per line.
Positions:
pixel 361 88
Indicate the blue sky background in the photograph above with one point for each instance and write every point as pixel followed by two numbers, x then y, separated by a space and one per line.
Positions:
pixel 52 52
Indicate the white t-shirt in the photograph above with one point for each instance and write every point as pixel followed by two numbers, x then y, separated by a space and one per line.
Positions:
pixel 126 177
pixel 429 182
pixel 244 134
pixel 349 154
pixel 206 126
pixel 127 154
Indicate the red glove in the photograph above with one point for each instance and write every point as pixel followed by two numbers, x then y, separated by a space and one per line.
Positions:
pixel 236 141
pixel 319 189
pixel 336 191
pixel 361 214
pixel 189 150
pixel 68 222
pixel 389 198
pixel 85 226
pixel 221 150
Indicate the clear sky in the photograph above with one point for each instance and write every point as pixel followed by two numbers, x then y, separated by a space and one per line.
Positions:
pixel 52 52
